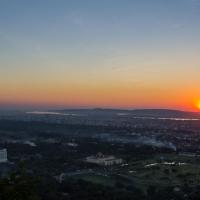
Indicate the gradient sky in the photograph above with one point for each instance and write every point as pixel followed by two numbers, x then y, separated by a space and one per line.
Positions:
pixel 100 53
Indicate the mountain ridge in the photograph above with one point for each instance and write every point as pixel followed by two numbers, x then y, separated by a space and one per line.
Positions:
pixel 137 112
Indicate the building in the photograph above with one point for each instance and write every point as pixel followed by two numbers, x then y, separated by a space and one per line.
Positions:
pixel 3 156
pixel 103 160
pixel 72 144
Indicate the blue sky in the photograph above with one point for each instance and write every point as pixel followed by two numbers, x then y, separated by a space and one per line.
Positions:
pixel 98 40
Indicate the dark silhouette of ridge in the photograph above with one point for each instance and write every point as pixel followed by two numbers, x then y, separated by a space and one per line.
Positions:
pixel 136 112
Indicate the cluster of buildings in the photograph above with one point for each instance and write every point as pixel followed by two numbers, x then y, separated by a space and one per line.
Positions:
pixel 101 159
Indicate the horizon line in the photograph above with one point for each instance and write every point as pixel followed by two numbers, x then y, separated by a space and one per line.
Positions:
pixel 35 108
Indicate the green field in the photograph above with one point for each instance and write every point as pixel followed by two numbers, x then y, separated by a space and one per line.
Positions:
pixel 164 173
pixel 97 179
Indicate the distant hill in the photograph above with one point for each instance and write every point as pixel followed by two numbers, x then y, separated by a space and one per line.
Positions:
pixel 136 112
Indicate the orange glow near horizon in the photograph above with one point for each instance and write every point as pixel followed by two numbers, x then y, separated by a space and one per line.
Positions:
pixel 116 92
pixel 108 96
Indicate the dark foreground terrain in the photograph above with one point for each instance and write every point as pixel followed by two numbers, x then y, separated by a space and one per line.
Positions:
pixel 47 156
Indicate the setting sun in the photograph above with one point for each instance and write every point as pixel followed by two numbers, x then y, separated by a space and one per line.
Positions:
pixel 198 105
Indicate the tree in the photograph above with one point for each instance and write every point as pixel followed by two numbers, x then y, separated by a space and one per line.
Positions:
pixel 18 186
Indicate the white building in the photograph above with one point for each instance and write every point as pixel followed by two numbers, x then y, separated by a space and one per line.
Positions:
pixel 72 144
pixel 100 159
pixel 3 156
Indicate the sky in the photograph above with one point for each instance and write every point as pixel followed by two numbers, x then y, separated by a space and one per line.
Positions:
pixel 100 53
